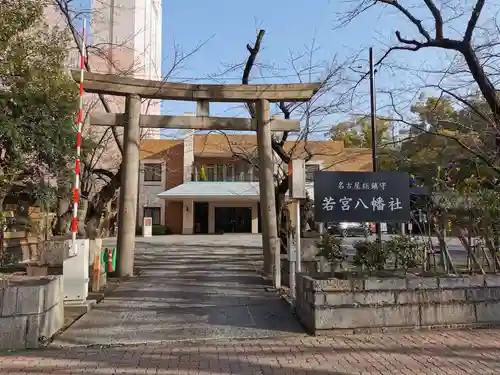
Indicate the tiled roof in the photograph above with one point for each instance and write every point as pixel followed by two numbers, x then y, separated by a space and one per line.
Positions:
pixel 156 148
pixel 204 189
pixel 333 154
pixel 223 145
pixel 349 160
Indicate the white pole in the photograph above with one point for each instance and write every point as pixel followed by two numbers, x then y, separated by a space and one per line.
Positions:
pixel 76 193
pixel 297 238
pixel 292 254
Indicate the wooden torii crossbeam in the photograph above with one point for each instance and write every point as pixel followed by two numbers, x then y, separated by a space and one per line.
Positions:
pixel 121 86
pixel 135 89
pixel 192 122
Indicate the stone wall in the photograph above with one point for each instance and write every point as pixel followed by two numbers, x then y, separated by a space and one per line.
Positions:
pixel 308 266
pixel 310 262
pixel 18 247
pixel 411 302
pixel 31 310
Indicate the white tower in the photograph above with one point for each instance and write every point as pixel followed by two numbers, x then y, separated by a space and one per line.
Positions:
pixel 130 32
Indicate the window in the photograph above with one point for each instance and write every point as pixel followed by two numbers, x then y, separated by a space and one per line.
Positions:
pixel 229 172
pixel 254 174
pixel 154 213
pixel 152 172
pixel 210 172
pixel 310 169
pixel 241 170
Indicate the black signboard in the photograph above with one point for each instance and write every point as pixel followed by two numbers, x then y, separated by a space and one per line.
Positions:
pixel 361 197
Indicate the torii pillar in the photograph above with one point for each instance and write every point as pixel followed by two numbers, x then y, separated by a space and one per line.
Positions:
pixel 272 253
pixel 129 186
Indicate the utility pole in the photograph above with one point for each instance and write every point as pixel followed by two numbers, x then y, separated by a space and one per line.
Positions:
pixel 373 116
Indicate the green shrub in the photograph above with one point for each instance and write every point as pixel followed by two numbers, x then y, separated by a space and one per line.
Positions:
pixel 160 230
pixel 407 251
pixel 156 230
pixel 330 248
pixel 370 255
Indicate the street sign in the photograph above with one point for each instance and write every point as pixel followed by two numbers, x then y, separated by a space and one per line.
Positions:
pixel 361 197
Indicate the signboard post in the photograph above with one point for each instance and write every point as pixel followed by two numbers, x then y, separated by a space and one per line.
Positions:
pixel 297 191
pixel 147 227
pixel 377 197
pixel 292 257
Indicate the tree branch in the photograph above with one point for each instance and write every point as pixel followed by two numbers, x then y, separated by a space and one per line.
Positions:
pixel 277 146
pixel 438 18
pixel 487 161
pixel 104 172
pixel 471 25
pixel 254 51
pixel 63 7
pixel 411 17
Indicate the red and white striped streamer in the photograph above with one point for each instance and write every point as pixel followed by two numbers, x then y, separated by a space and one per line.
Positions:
pixel 76 193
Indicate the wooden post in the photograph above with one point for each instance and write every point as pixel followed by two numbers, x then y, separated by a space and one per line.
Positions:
pixel 127 213
pixel 96 272
pixel 270 242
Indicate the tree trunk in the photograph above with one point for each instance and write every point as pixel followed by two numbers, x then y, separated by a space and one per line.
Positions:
pixel 2 199
pixel 98 204
pixel 92 226
pixel 282 225
pixel 82 213
pixel 62 223
pixel 105 227
pixel 2 229
pixel 487 89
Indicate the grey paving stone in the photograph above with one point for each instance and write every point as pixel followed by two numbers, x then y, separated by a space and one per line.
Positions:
pixel 190 288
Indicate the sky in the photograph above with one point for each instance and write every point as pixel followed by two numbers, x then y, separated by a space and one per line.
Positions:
pixel 222 28
pixel 227 26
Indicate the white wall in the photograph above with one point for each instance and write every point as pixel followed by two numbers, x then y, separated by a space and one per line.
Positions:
pixel 188 151
pixel 187 216
pixel 149 190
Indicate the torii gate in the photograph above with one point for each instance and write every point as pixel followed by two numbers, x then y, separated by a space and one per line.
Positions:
pixel 132 120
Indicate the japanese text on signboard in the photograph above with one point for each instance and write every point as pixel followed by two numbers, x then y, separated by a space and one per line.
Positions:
pixel 361 196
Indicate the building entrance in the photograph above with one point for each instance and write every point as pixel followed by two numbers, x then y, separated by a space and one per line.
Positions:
pixel 233 220
pixel 201 217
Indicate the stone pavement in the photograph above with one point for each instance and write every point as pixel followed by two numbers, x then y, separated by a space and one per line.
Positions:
pixel 436 353
pixel 190 288
pixel 198 308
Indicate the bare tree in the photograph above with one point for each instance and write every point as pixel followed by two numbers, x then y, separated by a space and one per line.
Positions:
pixel 475 48
pixel 457 130
pixel 288 145
pixel 101 180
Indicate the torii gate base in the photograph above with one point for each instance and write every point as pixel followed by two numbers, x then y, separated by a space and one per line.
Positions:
pixel 135 89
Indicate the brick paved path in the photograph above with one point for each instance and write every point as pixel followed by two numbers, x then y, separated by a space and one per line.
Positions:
pixel 436 353
pixel 192 291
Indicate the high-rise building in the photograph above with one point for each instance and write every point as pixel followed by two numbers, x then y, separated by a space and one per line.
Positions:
pixel 129 33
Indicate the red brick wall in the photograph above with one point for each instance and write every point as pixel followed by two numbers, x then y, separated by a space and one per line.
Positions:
pixel 174 161
pixel 173 217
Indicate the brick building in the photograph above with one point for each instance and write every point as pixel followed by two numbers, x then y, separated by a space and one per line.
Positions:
pixel 204 183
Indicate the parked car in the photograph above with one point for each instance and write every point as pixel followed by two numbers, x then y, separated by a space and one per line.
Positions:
pixel 350 229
